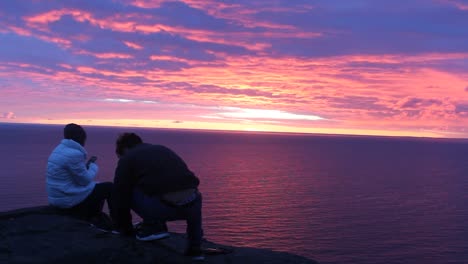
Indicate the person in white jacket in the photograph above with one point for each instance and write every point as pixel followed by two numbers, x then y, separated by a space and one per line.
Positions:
pixel 70 180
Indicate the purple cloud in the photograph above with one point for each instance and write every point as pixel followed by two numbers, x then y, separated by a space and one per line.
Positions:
pixel 355 102
pixel 462 109
pixel 374 27
pixel 419 102
pixel 346 59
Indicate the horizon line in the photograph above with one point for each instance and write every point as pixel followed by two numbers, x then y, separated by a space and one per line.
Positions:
pixel 238 131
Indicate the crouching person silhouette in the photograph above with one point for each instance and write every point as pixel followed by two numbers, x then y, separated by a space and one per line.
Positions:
pixel 70 180
pixel 157 185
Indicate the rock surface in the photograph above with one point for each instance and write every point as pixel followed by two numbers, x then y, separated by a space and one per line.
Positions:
pixel 41 235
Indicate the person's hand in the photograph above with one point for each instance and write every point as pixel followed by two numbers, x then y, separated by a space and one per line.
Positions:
pixel 91 160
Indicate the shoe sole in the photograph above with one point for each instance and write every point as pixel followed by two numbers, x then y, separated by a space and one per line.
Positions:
pixel 153 237
pixel 105 230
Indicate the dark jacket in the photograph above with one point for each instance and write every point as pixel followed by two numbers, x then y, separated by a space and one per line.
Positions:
pixel 155 170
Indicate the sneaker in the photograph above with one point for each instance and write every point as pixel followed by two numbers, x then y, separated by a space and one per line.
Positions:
pixel 103 222
pixel 146 231
pixel 195 252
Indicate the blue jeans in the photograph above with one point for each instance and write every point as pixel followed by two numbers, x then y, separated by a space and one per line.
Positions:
pixel 151 208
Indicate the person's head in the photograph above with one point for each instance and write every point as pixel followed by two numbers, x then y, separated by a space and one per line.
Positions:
pixel 125 142
pixel 75 133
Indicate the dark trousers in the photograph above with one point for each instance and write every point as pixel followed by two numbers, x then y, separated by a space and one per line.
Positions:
pixel 151 208
pixel 94 203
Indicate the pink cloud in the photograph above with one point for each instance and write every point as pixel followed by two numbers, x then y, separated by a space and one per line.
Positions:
pixel 133 45
pixel 230 55
pixel 8 115
pixel 168 58
pixel 147 3
pixel 19 31
pixel 136 23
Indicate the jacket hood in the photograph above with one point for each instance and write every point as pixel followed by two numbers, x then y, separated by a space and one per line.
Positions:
pixel 70 143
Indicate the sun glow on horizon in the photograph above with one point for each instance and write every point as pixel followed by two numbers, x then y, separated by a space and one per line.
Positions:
pixel 248 127
pixel 235 112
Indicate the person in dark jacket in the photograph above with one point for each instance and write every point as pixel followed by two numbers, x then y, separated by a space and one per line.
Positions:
pixel 154 182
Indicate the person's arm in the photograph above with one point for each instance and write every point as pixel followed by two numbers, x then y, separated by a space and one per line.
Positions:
pixel 82 175
pixel 122 197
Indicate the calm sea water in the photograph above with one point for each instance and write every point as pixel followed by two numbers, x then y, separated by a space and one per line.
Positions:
pixel 332 199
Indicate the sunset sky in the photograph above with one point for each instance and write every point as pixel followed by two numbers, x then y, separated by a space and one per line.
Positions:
pixel 369 67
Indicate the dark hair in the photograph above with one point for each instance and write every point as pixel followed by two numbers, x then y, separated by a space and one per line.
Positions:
pixel 75 132
pixel 126 141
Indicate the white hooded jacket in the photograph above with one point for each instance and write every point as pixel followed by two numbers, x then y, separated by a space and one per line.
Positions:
pixel 68 180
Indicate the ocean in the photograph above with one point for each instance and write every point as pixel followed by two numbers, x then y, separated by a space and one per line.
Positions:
pixel 334 199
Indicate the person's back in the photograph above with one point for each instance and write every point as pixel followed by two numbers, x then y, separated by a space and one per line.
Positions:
pixel 68 181
pixel 158 170
pixel 156 183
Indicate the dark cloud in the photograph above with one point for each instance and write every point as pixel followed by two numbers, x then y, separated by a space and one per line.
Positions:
pixel 222 90
pixel 216 90
pixel 191 17
pixel 165 43
pixel 354 27
pixel 374 66
pixel 30 50
pixel 374 27
pixel 11 9
pixel 279 53
pixel 461 109
pixel 357 27
pixel 102 40
pixel 355 102
pixel 420 103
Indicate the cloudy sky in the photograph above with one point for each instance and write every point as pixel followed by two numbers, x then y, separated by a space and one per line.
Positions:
pixel 372 67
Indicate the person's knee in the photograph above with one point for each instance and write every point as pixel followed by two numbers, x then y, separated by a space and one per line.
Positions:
pixel 105 187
